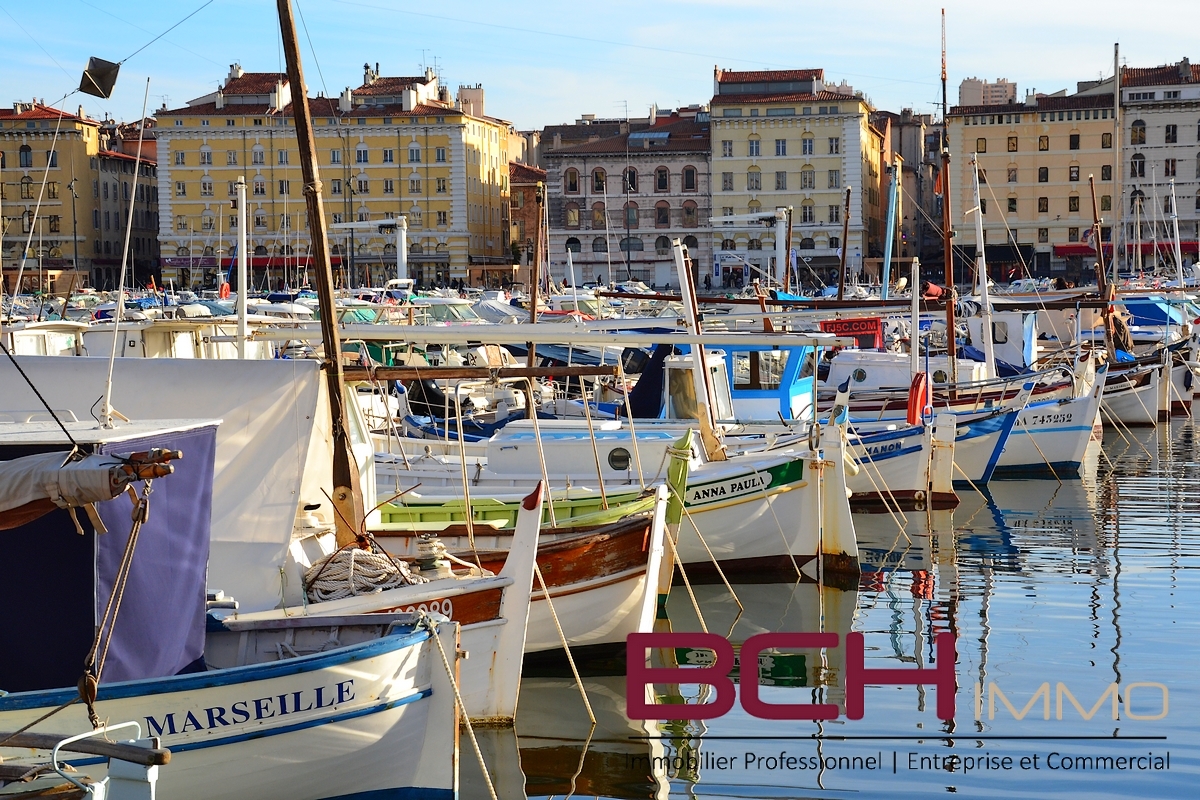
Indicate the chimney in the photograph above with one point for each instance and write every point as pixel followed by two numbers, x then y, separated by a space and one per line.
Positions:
pixel 235 71
pixel 1185 70
pixel 220 102
pixel 557 140
pixel 368 76
pixel 346 100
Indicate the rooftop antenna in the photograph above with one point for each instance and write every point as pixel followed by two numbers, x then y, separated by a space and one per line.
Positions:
pixel 423 52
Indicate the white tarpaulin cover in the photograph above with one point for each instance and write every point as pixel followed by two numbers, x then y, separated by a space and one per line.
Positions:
pixel 267 410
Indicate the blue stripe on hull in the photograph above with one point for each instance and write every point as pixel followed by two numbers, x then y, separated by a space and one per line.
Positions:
pixel 48 698
pixel 1062 469
pixel 263 734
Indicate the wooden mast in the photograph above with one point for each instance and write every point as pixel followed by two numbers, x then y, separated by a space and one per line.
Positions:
pixel 947 229
pixel 845 246
pixel 347 493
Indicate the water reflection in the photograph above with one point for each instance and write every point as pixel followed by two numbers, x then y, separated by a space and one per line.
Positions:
pixel 1084 582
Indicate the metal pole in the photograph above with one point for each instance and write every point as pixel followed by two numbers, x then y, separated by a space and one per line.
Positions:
pixel 243 281
pixel 845 246
pixel 989 349
pixel 1102 285
pixel 74 224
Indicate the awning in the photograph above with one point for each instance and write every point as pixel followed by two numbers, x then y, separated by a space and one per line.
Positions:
pixel 997 253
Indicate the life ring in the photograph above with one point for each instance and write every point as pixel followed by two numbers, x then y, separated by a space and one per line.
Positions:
pixel 224 291
pixel 916 397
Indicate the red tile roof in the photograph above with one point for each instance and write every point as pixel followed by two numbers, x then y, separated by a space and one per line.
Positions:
pixel 795 97
pixel 397 110
pixel 39 111
pixel 727 76
pixel 254 83
pixel 1169 74
pixel 385 86
pixel 523 173
pixel 211 110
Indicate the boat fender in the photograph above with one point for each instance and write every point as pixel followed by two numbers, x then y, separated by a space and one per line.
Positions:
pixel 814 436
pixel 852 467
pixel 916 397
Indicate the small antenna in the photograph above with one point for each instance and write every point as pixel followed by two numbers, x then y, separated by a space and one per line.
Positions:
pixel 423 52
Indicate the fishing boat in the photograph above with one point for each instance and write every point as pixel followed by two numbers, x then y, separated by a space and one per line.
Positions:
pixel 273 711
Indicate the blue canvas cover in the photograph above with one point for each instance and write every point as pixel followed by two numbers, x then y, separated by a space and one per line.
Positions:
pixel 58 582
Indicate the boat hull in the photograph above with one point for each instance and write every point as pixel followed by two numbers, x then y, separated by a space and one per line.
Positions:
pixel 372 717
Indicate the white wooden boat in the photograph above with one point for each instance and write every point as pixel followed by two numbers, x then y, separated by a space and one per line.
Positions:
pixel 272 711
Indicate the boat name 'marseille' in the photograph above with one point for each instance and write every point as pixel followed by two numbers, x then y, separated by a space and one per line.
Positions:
pixel 246 711
pixel 730 488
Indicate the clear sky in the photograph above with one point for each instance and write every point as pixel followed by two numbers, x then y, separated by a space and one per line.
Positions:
pixel 544 63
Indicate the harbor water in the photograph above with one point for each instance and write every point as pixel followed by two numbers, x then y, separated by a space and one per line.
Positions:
pixel 1070 601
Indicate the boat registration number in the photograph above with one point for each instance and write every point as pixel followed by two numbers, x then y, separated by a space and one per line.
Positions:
pixel 1048 419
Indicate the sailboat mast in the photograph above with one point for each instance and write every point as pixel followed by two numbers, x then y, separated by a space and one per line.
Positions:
pixel 1119 212
pixel 985 331
pixel 347 494
pixel 947 242
pixel 1102 284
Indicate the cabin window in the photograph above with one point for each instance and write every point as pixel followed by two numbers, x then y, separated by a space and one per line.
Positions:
pixel 759 369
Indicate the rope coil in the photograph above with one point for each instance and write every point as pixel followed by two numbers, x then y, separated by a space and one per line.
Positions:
pixel 351 572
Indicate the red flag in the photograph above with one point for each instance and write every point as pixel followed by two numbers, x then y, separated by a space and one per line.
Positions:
pixel 937 184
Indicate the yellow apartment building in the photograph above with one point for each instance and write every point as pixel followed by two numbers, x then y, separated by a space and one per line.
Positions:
pixel 785 138
pixel 394 146
pixel 1036 158
pixel 33 136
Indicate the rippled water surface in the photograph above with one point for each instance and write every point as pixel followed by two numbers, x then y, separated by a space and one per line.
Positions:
pixel 1073 586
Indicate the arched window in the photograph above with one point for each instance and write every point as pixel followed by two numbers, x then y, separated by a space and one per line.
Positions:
pixel 662 179
pixel 632 244
pixel 1137 166
pixel 1137 132
pixel 808 179
pixel 1136 198
pixel 662 245
pixel 571 181
pixel 598 216
pixel 571 215
pixel 338 250
pixel 260 250
pixel 691 217
pixel 755 244
pixel 26 160
pixel 631 180
pixel 1198 201
pixel 689 179
pixel 807 244
pixel 691 243
pixel 728 244
pixel 598 179
pixel 416 249
pixel 1198 165
pixel 388 249
pixel 179 251
pixel 599 245
pixel 662 214
pixel 573 245
pixel 27 188
pixel 631 215
pixel 286 250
